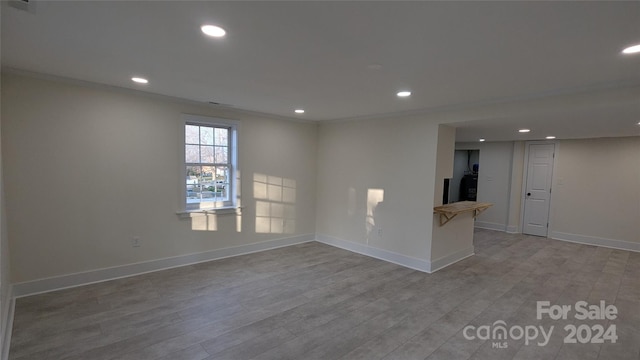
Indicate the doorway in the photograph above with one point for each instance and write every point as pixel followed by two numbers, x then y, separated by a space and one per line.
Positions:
pixel 464 184
pixel 537 189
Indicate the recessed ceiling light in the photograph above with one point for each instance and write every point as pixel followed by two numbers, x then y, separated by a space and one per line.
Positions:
pixel 404 93
pixel 299 111
pixel 481 140
pixel 213 30
pixel 139 80
pixel 550 137
pixel 632 49
pixel 524 130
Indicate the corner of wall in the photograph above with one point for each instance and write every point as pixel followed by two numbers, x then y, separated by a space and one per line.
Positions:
pixel 515 188
pixel 444 160
pixel 448 244
pixel 7 302
pixel 8 309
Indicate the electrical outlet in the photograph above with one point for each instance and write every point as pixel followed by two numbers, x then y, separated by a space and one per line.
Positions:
pixel 135 241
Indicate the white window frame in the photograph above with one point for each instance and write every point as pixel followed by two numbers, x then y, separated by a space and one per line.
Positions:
pixel 218 207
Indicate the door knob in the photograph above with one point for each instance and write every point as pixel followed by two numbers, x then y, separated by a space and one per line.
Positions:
pixel 528 194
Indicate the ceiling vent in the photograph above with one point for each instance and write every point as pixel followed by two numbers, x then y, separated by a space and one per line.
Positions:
pixel 24 5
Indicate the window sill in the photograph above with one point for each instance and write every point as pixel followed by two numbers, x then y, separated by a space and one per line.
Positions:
pixel 186 214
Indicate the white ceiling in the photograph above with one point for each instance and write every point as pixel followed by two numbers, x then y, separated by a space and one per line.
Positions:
pixel 279 56
pixel 608 121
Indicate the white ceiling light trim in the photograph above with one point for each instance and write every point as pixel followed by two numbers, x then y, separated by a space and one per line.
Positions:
pixel 632 49
pixel 139 80
pixel 404 93
pixel 213 30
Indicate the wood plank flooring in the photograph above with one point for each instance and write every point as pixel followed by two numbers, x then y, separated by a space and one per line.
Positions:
pixel 313 301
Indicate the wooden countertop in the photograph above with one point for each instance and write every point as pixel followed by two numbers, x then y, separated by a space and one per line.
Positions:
pixel 449 211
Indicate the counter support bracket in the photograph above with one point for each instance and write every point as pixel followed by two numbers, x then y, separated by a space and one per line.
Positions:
pixel 448 212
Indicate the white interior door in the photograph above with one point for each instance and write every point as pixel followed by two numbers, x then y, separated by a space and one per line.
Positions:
pixel 538 189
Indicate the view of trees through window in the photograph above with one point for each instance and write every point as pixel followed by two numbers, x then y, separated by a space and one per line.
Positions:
pixel 207 160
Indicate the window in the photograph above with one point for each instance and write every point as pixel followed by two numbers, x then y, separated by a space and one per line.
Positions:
pixel 209 163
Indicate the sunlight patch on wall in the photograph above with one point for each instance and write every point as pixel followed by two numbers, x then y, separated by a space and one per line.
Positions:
pixel 204 222
pixel 374 198
pixel 275 204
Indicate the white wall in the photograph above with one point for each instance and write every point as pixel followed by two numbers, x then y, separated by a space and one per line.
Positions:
pixel 378 174
pixel 515 193
pixel 87 168
pixel 596 191
pixel 494 181
pixel 5 282
pixel 444 160
pixel 454 240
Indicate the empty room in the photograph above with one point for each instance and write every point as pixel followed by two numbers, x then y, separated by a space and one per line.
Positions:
pixel 199 180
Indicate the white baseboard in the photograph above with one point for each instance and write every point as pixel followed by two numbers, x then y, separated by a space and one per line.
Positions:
pixel 451 258
pixel 591 240
pixel 403 260
pixel 99 275
pixel 512 229
pixel 7 320
pixel 490 226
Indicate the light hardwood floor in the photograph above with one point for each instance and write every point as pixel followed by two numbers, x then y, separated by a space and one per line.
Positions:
pixel 313 301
